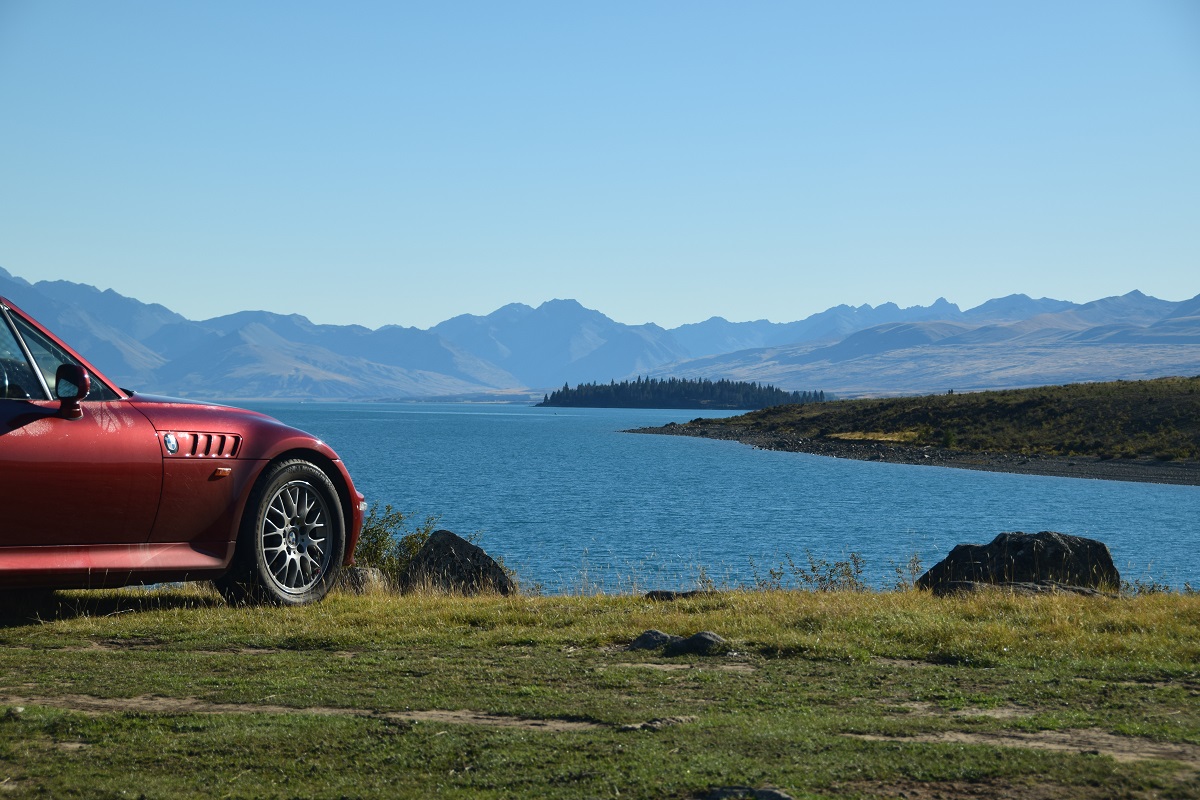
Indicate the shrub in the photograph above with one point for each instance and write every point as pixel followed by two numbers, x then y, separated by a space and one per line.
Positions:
pixel 388 541
pixel 821 576
pixel 907 574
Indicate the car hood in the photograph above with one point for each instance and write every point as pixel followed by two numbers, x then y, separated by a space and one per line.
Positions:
pixel 262 435
pixel 171 409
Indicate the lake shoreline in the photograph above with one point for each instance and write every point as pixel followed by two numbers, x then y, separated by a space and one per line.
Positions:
pixel 1139 470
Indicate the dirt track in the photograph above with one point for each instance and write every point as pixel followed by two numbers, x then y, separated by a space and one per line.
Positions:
pixel 1120 748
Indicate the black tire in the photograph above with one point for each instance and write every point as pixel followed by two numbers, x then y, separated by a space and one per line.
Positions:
pixel 292 539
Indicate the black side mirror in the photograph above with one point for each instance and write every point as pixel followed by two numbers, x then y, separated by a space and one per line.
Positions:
pixel 71 386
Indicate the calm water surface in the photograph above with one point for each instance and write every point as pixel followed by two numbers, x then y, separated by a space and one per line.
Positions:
pixel 574 504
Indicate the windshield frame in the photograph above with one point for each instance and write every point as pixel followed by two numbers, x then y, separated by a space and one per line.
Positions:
pixel 14 319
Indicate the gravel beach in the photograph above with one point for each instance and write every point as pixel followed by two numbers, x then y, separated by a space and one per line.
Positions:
pixel 1146 470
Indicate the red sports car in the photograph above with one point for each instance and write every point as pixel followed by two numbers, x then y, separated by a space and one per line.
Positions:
pixel 103 487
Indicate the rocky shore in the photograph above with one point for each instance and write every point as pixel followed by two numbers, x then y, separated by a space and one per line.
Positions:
pixel 1146 470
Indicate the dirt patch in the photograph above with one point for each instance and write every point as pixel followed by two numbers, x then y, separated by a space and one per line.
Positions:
pixel 986 790
pixel 1090 741
pixel 743 668
pixel 150 643
pixel 491 720
pixel 70 648
pixel 906 663
pixel 655 667
pixel 155 704
pixel 1148 684
pixel 658 724
pixel 130 643
pixel 931 710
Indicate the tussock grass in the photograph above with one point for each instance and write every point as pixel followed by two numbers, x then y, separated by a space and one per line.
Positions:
pixel 997 626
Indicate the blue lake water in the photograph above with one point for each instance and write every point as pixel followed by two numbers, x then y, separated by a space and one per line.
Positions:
pixel 573 504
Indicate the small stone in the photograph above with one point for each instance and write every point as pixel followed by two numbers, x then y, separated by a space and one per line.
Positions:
pixel 746 793
pixel 653 640
pixel 666 594
pixel 704 643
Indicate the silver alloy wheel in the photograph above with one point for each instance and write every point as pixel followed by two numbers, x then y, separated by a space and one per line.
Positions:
pixel 294 538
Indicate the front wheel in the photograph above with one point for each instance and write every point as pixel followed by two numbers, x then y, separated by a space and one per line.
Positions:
pixel 292 538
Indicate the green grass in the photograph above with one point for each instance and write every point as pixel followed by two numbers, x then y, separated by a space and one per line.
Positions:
pixel 1124 419
pixel 330 700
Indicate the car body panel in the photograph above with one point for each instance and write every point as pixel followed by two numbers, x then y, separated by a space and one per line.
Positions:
pixel 108 462
pixel 141 488
pixel 99 566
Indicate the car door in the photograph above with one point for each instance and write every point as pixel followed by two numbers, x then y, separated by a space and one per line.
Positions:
pixel 86 481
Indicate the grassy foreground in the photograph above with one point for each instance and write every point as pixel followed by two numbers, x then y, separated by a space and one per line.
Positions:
pixel 889 694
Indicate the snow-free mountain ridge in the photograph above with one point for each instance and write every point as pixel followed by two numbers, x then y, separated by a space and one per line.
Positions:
pixel 521 351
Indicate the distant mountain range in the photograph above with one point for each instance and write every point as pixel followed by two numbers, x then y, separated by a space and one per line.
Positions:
pixel 520 352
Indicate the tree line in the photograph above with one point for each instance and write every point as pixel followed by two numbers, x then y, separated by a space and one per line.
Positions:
pixel 677 393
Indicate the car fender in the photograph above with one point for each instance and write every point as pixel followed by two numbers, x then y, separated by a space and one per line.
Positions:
pixel 212 457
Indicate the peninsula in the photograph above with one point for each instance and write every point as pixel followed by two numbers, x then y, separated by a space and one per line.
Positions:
pixel 1124 430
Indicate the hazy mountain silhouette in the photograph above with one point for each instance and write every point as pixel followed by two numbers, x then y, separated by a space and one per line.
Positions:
pixel 522 351
pixel 1128 337
pixel 254 361
pixel 717 335
pixel 1015 307
pixel 561 341
pixel 251 353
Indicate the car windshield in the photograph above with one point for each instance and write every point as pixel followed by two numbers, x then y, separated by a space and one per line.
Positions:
pixel 48 357
pixel 17 379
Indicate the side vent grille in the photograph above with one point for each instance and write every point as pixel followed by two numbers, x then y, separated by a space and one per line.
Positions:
pixel 217 445
pixel 194 444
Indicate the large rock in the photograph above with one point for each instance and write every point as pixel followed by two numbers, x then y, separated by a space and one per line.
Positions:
pixel 449 563
pixel 1026 558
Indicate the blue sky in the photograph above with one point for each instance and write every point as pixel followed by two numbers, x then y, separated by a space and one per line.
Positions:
pixel 401 163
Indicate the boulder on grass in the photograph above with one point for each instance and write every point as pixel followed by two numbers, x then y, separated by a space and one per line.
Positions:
pixel 666 594
pixel 704 643
pixel 449 563
pixel 1046 558
pixel 653 640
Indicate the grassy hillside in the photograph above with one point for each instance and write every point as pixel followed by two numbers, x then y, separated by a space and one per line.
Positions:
pixel 822 694
pixel 1124 419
